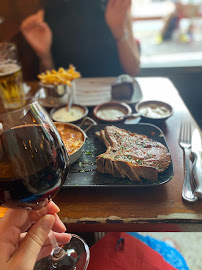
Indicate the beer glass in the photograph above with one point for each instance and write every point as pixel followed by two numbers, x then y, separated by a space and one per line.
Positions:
pixel 11 82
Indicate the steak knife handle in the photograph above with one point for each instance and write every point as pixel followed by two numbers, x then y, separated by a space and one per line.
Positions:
pixel 187 192
pixel 197 173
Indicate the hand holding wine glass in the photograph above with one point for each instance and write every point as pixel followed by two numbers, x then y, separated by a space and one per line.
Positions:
pixel 34 165
pixel 35 244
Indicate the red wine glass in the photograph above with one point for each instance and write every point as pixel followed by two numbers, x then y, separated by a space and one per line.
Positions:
pixel 34 165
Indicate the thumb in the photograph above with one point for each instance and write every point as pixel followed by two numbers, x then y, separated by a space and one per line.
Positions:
pixel 28 251
pixel 40 15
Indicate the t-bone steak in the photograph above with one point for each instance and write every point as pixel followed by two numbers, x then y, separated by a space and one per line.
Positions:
pixel 131 155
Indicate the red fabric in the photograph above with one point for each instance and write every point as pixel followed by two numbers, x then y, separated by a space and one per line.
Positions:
pixel 132 255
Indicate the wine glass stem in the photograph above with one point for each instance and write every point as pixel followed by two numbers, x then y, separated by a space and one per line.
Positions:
pixel 54 243
pixel 56 250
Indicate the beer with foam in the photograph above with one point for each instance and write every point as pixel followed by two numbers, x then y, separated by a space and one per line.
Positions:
pixel 11 87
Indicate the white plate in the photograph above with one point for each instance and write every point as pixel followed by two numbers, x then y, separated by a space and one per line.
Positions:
pixel 94 91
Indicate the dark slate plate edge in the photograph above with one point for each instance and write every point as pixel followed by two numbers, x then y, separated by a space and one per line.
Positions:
pixel 130 183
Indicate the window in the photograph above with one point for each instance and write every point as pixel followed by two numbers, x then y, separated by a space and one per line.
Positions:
pixel 183 47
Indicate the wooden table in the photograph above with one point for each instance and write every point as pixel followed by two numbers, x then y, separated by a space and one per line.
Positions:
pixel 159 208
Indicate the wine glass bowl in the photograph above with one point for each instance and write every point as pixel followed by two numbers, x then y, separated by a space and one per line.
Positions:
pixel 33 160
pixel 34 165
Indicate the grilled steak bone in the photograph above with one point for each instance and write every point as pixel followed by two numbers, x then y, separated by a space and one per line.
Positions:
pixel 131 155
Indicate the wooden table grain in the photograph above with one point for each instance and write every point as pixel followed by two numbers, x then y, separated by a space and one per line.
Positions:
pixel 159 208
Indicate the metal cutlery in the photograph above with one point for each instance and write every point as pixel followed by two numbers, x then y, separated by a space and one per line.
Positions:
pixel 197 164
pixel 132 115
pixel 185 143
pixel 70 99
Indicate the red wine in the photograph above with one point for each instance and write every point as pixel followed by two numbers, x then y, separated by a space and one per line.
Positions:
pixel 33 166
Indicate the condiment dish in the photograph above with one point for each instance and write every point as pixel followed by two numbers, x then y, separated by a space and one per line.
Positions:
pixel 112 111
pixel 76 132
pixel 154 110
pixel 74 137
pixel 61 114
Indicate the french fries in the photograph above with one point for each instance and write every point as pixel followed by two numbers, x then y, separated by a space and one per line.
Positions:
pixel 61 76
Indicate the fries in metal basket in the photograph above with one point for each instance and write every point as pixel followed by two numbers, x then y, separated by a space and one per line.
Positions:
pixel 61 76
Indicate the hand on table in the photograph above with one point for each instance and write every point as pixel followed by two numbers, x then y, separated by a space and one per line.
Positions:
pixel 20 250
pixel 38 34
pixel 117 15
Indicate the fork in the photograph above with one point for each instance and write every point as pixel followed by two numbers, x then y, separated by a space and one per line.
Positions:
pixel 185 143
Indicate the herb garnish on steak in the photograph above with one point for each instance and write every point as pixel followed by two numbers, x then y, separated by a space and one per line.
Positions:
pixel 131 155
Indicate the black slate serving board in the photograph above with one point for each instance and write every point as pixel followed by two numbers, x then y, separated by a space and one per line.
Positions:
pixel 83 172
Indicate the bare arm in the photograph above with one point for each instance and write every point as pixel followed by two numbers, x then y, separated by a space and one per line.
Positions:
pixel 129 52
pixel 118 19
pixel 46 62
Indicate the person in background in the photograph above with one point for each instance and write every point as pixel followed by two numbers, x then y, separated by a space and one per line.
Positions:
pixel 95 36
pixel 171 23
pixel 24 236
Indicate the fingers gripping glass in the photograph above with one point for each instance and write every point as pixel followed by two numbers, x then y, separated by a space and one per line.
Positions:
pixel 34 164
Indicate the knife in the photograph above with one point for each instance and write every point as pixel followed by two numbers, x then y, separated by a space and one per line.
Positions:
pixel 197 164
